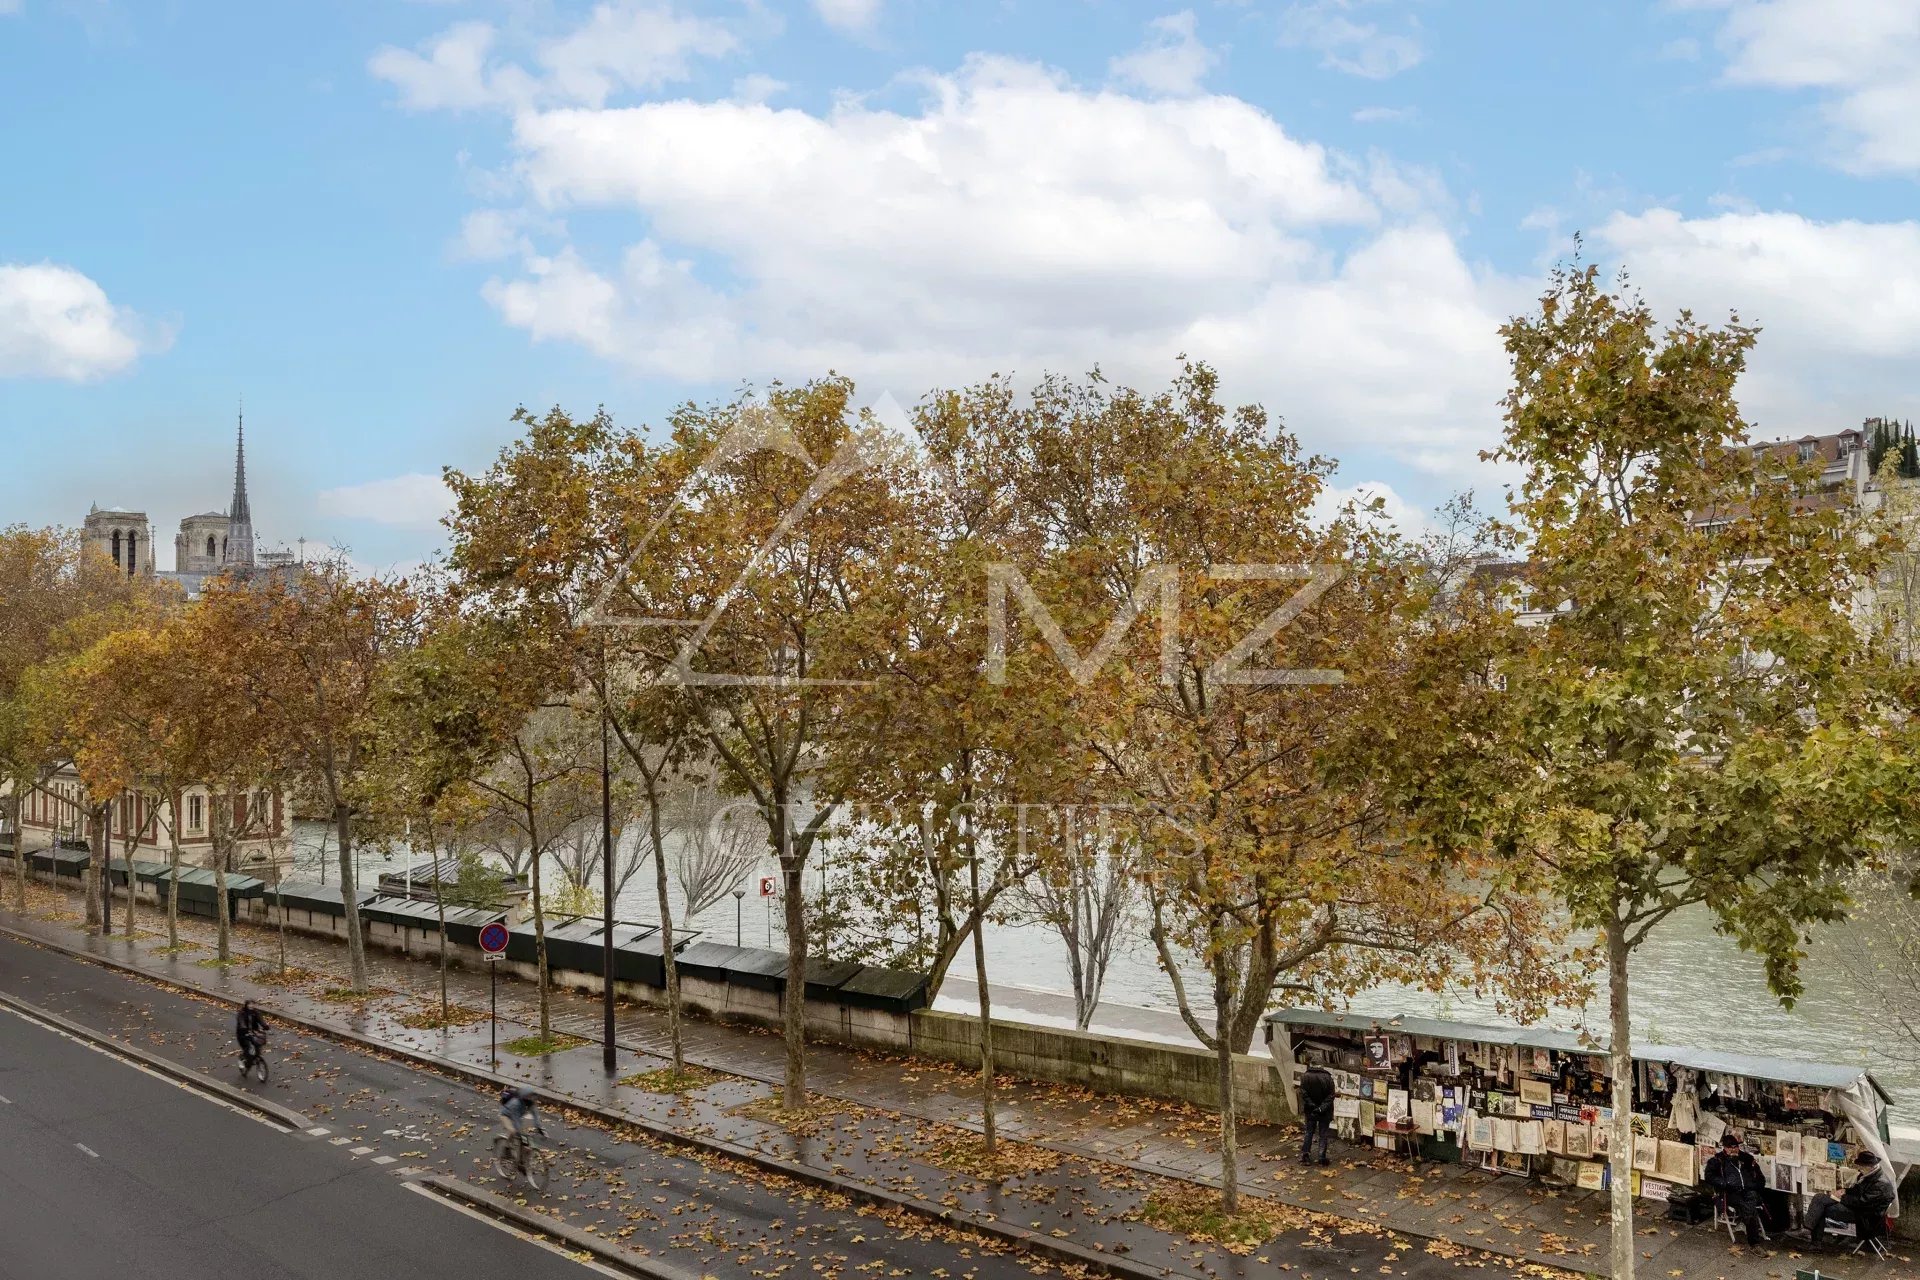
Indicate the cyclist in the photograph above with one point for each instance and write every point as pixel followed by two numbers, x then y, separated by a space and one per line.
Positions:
pixel 250 1028
pixel 517 1114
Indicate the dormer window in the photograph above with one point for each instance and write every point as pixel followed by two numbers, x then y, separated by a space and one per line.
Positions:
pixel 1806 451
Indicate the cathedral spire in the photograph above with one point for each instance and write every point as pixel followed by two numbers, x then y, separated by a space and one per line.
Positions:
pixel 239 549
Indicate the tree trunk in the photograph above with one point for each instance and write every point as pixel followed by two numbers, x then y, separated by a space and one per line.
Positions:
pixel 1620 1252
pixel 19 849
pixel 668 963
pixel 220 902
pixel 794 998
pixel 90 883
pixel 126 854
pixel 539 936
pixel 986 1000
pixel 1229 1122
pixel 173 878
pixel 356 940
pixel 440 905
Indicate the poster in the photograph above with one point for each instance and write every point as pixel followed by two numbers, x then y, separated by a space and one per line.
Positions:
pixel 1602 1140
pixel 1786 1147
pixel 1527 1137
pixel 1426 1116
pixel 1502 1134
pixel 1593 1176
pixel 1553 1135
pixel 1399 1106
pixel 1379 1053
pixel 1346 1108
pixel 1646 1153
pixel 1480 1133
pixel 1676 1163
pixel 1579 1141
pixel 1783 1176
pixel 1822 1178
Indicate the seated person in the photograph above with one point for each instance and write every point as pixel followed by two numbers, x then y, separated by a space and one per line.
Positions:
pixel 1867 1200
pixel 1735 1176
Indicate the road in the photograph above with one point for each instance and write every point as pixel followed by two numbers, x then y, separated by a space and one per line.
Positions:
pixel 183 1186
pixel 112 1172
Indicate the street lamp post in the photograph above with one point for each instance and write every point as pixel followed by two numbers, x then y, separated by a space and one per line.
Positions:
pixel 739 897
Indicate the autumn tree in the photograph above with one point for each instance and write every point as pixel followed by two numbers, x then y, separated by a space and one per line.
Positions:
pixel 306 651
pixel 1694 722
pixel 1279 641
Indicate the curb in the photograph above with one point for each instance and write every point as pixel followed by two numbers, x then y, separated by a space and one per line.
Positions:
pixel 1021 1237
pixel 535 1223
pixel 273 1111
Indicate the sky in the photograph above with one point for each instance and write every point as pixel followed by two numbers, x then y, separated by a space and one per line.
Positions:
pixel 387 223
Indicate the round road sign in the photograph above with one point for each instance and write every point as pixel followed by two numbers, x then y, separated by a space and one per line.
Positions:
pixel 493 938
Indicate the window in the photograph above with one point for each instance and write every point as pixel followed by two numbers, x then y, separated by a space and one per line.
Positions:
pixel 209 546
pixel 133 554
pixel 196 814
pixel 1806 451
pixel 116 547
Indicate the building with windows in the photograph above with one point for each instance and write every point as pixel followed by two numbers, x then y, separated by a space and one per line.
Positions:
pixel 262 819
pixel 208 544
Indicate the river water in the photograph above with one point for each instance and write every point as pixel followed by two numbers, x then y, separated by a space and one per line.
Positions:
pixel 1690 985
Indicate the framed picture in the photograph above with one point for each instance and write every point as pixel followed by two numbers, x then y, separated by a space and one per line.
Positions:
pixel 1379 1050
pixel 1783 1176
pixel 1515 1163
pixel 1602 1140
pixel 1646 1153
pixel 1346 1108
pixel 1536 1093
pixel 1399 1105
pixel 1822 1178
pixel 1553 1135
pixel 1593 1176
pixel 1675 1163
pixel 1786 1147
pixel 1579 1141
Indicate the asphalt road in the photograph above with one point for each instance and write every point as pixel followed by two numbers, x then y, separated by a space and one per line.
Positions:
pixel 182 1178
pixel 114 1173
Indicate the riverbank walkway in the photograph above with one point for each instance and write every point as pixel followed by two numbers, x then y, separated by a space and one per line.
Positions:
pixel 894 1122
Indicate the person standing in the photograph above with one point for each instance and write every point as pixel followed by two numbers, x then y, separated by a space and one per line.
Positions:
pixel 1316 1112
pixel 1735 1175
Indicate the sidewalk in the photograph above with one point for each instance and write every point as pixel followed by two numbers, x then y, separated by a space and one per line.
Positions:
pixel 1094 1160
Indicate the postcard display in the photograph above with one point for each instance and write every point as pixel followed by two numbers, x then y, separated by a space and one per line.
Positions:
pixel 1548 1112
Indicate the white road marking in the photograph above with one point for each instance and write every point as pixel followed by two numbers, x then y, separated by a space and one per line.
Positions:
pixel 89 1150
pixel 319 1133
pixel 514 1229
pixel 383 1159
pixel 8 1101
pixel 361 1151
pixel 340 1142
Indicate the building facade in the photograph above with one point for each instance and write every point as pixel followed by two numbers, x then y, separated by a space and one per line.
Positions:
pixel 57 810
pixel 207 545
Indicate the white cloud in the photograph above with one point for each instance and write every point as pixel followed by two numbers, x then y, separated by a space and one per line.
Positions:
pixel 1861 56
pixel 1838 304
pixel 620 47
pixel 413 501
pixel 8 7
pixel 1346 43
pixel 1385 115
pixel 1397 511
pixel 1015 221
pixel 853 16
pixel 757 87
pixel 1172 61
pixel 57 323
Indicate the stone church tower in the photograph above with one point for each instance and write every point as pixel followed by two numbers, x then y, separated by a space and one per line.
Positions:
pixel 239 514
pixel 216 540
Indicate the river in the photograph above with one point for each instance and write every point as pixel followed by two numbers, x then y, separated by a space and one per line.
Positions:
pixel 1690 985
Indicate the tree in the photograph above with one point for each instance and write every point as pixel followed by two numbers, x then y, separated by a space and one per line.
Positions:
pixel 1696 720
pixel 56 598
pixel 1281 645
pixel 1086 889
pixel 721 841
pixel 306 654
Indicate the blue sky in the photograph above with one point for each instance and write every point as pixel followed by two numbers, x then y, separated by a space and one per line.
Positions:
pixel 386 224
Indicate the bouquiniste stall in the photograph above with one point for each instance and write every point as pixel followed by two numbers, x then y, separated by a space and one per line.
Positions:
pixel 1537 1102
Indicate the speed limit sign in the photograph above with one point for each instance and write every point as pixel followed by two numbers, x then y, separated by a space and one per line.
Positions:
pixel 769 886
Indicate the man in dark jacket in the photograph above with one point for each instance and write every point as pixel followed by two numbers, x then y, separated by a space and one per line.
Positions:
pixel 1867 1200
pixel 250 1029
pixel 1735 1176
pixel 1316 1111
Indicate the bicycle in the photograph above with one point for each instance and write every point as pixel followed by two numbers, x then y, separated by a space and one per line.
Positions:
pixel 255 1064
pixel 518 1155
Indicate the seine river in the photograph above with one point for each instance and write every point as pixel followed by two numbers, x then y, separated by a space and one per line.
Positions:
pixel 1690 985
